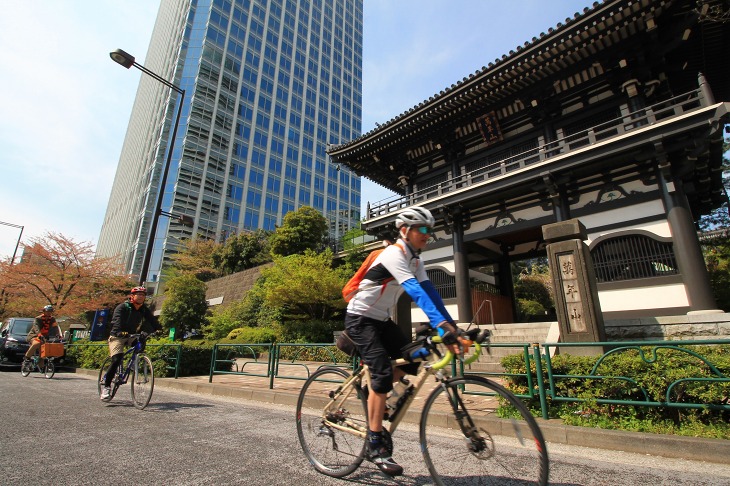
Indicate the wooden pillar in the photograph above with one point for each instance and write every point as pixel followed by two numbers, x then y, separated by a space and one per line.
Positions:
pixel 461 267
pixel 403 315
pixel 686 245
pixel 506 283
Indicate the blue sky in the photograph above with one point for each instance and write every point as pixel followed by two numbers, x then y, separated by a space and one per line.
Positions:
pixel 65 104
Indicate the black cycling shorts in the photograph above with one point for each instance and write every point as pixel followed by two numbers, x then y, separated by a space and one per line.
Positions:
pixel 378 343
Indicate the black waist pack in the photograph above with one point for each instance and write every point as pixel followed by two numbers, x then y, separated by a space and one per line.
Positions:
pixel 345 344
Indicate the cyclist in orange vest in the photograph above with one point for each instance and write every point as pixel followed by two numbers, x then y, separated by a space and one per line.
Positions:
pixel 44 325
pixel 368 320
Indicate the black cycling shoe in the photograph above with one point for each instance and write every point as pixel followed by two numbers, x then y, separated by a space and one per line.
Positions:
pixel 381 458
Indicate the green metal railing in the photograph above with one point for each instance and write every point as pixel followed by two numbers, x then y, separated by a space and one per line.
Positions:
pixel 541 379
pixel 173 360
pixel 231 355
pixel 618 347
pixel 276 362
pixel 299 348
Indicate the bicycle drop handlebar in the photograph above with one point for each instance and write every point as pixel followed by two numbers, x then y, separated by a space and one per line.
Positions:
pixel 467 339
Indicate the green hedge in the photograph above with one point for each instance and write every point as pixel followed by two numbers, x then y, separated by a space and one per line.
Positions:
pixel 194 359
pixel 654 377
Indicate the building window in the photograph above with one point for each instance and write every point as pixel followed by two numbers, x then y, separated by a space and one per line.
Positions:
pixel 444 283
pixel 633 256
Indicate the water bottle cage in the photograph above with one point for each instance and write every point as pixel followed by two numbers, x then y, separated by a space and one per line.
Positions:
pixel 391 411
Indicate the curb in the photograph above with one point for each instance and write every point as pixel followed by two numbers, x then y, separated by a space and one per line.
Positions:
pixel 671 446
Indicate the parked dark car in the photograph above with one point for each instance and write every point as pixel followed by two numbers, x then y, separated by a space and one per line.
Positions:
pixel 13 342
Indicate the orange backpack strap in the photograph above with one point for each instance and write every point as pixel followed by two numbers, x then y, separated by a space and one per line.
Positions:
pixel 353 285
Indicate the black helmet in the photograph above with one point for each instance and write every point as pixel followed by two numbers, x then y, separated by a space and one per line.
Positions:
pixel 48 308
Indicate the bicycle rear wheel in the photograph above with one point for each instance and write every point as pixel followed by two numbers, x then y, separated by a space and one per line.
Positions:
pixel 50 369
pixel 462 440
pixel 26 367
pixel 331 451
pixel 143 381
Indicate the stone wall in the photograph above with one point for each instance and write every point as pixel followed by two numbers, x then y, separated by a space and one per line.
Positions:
pixel 232 287
pixel 684 327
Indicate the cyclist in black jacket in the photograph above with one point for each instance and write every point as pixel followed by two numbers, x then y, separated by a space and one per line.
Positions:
pixel 131 317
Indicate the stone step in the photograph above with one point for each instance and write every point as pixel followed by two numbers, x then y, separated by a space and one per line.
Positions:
pixel 515 333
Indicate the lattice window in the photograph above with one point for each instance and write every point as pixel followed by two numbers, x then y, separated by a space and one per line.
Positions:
pixel 445 284
pixel 633 256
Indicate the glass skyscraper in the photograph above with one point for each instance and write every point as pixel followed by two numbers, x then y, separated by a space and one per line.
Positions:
pixel 268 85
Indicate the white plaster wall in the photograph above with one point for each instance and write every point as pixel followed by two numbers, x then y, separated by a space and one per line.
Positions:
pixel 659 228
pixel 657 297
pixel 417 315
pixel 649 208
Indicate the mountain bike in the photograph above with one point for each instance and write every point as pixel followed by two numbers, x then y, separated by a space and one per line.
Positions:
pixel 459 435
pixel 138 366
pixel 43 364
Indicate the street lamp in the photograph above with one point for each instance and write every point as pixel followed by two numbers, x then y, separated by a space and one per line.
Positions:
pixel 19 236
pixel 127 60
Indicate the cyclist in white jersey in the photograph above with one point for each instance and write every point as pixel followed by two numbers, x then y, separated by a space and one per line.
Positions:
pixel 379 340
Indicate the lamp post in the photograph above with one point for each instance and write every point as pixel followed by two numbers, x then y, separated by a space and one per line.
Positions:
pixel 19 236
pixel 127 60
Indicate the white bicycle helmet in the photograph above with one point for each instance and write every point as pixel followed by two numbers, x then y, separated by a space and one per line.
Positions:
pixel 415 216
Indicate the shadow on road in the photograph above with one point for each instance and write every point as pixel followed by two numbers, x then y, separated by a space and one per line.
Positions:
pixel 167 407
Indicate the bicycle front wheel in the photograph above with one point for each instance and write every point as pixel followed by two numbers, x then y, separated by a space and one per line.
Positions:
pixel 463 440
pixel 330 450
pixel 143 382
pixel 50 369
pixel 102 376
pixel 26 367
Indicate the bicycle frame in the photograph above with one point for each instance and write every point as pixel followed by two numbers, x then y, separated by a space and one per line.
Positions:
pixel 133 352
pixel 433 366
pixel 456 435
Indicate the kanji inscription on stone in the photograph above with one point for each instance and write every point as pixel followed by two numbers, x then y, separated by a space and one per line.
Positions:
pixel 571 291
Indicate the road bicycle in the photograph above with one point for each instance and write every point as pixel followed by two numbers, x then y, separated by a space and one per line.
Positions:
pixel 135 364
pixel 461 439
pixel 43 365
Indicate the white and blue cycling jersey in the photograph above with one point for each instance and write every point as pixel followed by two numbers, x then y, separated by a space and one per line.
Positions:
pixel 396 269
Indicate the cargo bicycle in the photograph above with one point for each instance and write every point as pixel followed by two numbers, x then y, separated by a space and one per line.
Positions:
pixel 43 363
pixel 461 439
pixel 135 365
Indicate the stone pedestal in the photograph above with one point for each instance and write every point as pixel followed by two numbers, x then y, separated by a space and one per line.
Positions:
pixel 576 297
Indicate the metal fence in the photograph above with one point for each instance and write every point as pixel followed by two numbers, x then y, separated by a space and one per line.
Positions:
pixel 294 361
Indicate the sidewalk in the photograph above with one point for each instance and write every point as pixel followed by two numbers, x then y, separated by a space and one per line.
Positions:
pixel 286 391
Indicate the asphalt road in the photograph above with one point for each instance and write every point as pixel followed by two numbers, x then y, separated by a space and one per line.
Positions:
pixel 58 432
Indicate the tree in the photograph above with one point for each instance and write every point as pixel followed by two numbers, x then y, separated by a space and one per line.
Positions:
pixel 304 229
pixel 196 257
pixel 533 287
pixel 354 253
pixel 185 306
pixel 57 270
pixel 720 218
pixel 305 286
pixel 243 251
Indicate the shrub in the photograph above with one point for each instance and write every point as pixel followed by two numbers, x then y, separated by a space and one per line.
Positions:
pixel 310 331
pixel 636 375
